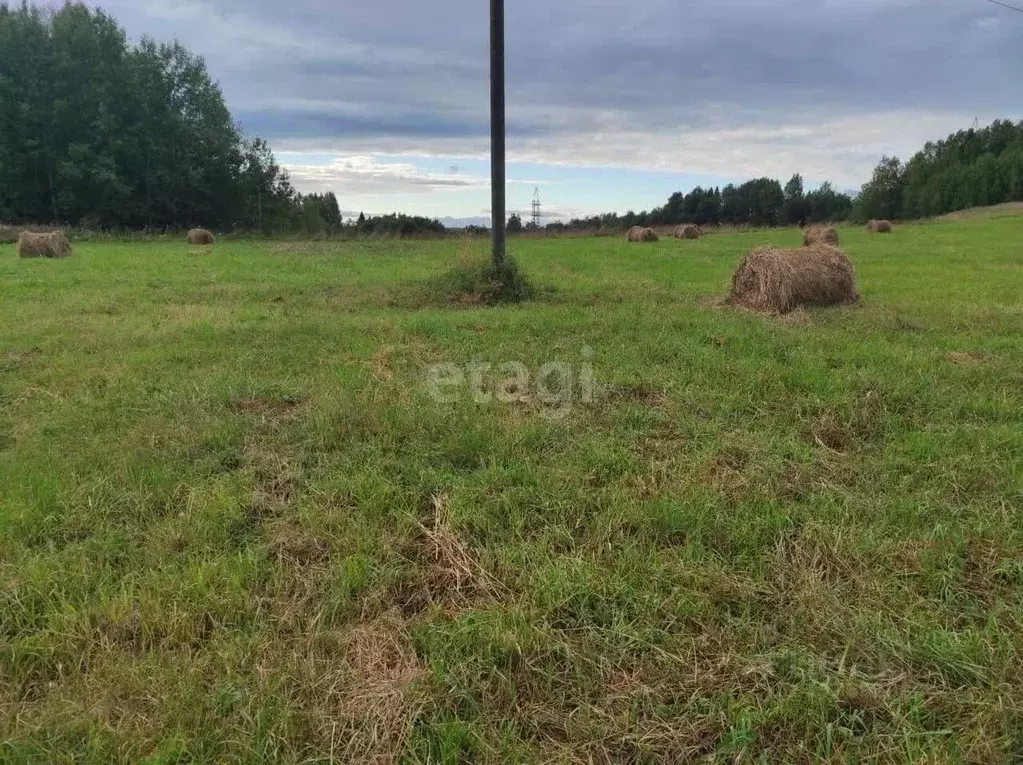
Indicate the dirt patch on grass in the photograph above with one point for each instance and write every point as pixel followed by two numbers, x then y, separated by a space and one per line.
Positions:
pixel 265 405
pixel 139 630
pixel 965 359
pixel 861 421
pixel 640 393
pixel 828 433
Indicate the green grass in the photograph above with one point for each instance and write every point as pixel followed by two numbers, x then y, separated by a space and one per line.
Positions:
pixel 235 525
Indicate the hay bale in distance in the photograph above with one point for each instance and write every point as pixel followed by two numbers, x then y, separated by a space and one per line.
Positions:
pixel 688 231
pixel 818 235
pixel 778 281
pixel 52 245
pixel 879 226
pixel 640 234
pixel 200 236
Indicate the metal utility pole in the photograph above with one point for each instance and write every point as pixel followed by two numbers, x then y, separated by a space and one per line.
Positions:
pixel 497 174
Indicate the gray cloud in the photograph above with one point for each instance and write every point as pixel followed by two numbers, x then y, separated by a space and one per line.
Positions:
pixel 729 88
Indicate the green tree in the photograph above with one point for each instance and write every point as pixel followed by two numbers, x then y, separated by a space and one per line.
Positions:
pixel 331 212
pixel 94 131
pixel 268 201
pixel 674 210
pixel 826 205
pixel 732 211
pixel 761 201
pixel 514 225
pixel 883 195
pixel 794 210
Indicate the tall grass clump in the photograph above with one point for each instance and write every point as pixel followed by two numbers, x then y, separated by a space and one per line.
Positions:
pixel 475 280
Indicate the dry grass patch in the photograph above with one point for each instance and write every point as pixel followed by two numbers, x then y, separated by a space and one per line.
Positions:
pixel 359 691
pixel 725 473
pixel 381 701
pixel 454 567
pixel 263 405
pixel 965 359
pixel 295 548
pixel 379 365
pixel 446 572
pixel 640 393
pixel 1005 210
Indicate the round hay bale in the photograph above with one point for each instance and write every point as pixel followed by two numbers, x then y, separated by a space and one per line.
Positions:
pixel 199 236
pixel 778 281
pixel 52 245
pixel 688 231
pixel 818 235
pixel 879 226
pixel 640 234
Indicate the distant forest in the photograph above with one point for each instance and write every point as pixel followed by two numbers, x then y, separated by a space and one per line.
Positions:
pixel 761 202
pixel 98 133
pixel 971 168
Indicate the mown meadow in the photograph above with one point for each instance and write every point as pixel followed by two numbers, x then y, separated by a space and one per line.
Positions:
pixel 239 523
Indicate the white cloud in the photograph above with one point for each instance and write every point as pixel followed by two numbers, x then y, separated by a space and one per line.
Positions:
pixel 841 150
pixel 367 174
pixel 383 180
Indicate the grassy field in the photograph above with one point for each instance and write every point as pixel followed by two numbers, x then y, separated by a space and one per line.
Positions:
pixel 238 524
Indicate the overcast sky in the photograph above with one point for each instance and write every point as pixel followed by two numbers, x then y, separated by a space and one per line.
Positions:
pixel 612 104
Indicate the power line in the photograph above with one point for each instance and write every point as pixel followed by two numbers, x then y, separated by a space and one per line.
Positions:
pixel 1005 5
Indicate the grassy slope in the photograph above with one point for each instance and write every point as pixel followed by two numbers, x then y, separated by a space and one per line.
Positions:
pixel 233 524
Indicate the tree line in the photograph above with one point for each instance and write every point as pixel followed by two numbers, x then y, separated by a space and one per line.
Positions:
pixel 970 168
pixel 760 202
pixel 98 133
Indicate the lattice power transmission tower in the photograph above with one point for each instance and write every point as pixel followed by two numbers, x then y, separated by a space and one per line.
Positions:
pixel 537 209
